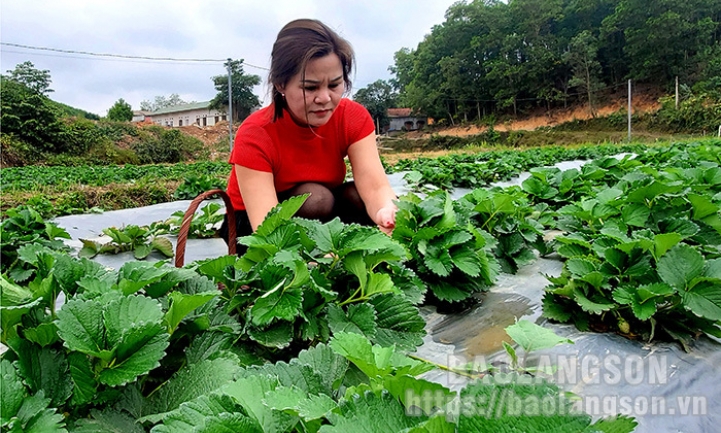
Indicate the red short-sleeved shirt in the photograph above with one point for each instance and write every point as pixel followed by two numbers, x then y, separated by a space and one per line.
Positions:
pixel 296 154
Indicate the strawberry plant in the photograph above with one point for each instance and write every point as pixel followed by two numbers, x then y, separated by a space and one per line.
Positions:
pixel 517 227
pixel 448 252
pixel 141 240
pixel 642 253
pixel 203 225
pixel 23 226
pixel 307 334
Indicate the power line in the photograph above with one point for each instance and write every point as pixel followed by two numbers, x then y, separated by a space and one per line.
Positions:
pixel 124 56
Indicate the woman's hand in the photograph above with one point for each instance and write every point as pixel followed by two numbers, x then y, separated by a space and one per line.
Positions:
pixel 386 219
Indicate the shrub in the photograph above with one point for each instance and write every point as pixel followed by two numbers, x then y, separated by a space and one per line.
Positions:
pixel 695 114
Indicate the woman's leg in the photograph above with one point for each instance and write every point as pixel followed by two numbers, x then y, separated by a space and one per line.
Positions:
pixel 349 206
pixel 319 205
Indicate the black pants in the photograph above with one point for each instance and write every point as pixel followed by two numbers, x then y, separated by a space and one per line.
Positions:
pixel 346 205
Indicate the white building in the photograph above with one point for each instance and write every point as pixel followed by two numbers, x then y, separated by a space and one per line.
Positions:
pixel 186 114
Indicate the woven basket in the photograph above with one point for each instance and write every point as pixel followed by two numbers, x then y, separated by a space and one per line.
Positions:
pixel 188 218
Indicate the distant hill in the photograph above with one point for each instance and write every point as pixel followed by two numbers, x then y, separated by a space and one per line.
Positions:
pixel 68 111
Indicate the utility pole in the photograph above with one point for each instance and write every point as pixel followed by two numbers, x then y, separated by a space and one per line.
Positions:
pixel 230 105
pixel 629 111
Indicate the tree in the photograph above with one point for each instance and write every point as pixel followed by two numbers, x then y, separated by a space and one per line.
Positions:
pixel 244 100
pixel 29 116
pixel 581 56
pixel 378 97
pixel 162 102
pixel 34 79
pixel 121 111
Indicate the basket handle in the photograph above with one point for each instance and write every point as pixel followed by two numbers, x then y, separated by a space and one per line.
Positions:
pixel 188 218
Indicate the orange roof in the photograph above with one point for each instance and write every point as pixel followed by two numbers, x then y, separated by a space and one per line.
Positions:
pixel 399 112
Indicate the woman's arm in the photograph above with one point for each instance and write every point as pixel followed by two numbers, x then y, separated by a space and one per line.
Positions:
pixel 258 191
pixel 372 182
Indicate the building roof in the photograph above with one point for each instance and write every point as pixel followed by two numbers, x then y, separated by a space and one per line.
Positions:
pixel 400 112
pixel 182 107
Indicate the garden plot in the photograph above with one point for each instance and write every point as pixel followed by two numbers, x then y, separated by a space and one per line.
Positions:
pixel 662 386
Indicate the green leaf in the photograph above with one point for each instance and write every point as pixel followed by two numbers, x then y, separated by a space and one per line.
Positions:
pixel 181 305
pixel 703 207
pixel 294 374
pixel 278 335
pixel 358 350
pixel 649 291
pixel 44 334
pixel 278 304
pixel 591 306
pixel 108 421
pixel 89 250
pixel 247 391
pixel 135 275
pixel 713 269
pixel 680 265
pixel 163 246
pixel 322 358
pixel 371 413
pixel 532 337
pixel 284 398
pixel 280 213
pixel 142 251
pixel 13 391
pixel 44 369
pixel 580 267
pixel 379 284
pixel 11 316
pixel 198 415
pixel 439 261
pixel 80 325
pixel 635 214
pixel 129 313
pixel 361 319
pixel 35 417
pixel 12 295
pixel 191 382
pixel 553 310
pixel 398 322
pixel 664 242
pixel 139 362
pixel 512 407
pixel 616 424
pixel 316 406
pixel 467 261
pixel 81 374
pixel 410 391
pixel 704 300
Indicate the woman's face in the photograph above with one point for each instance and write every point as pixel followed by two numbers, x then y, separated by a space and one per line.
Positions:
pixel 312 100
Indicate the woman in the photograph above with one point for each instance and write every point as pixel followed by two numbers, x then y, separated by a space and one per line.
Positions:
pixel 298 143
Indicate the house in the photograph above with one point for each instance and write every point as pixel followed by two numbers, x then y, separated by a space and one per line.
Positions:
pixel 403 119
pixel 198 113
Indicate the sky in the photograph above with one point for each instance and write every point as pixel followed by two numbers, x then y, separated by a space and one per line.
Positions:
pixel 181 29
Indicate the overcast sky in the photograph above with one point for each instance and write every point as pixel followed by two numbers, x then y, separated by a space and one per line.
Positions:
pixel 181 29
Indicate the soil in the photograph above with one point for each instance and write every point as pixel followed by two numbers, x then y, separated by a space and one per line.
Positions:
pixel 645 102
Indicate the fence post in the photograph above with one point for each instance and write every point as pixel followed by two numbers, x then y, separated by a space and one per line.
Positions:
pixel 629 111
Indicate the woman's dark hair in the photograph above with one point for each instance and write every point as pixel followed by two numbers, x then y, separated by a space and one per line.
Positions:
pixel 297 43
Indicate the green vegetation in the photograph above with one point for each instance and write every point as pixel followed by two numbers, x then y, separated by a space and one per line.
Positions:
pixel 121 111
pixel 310 331
pixel 494 58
